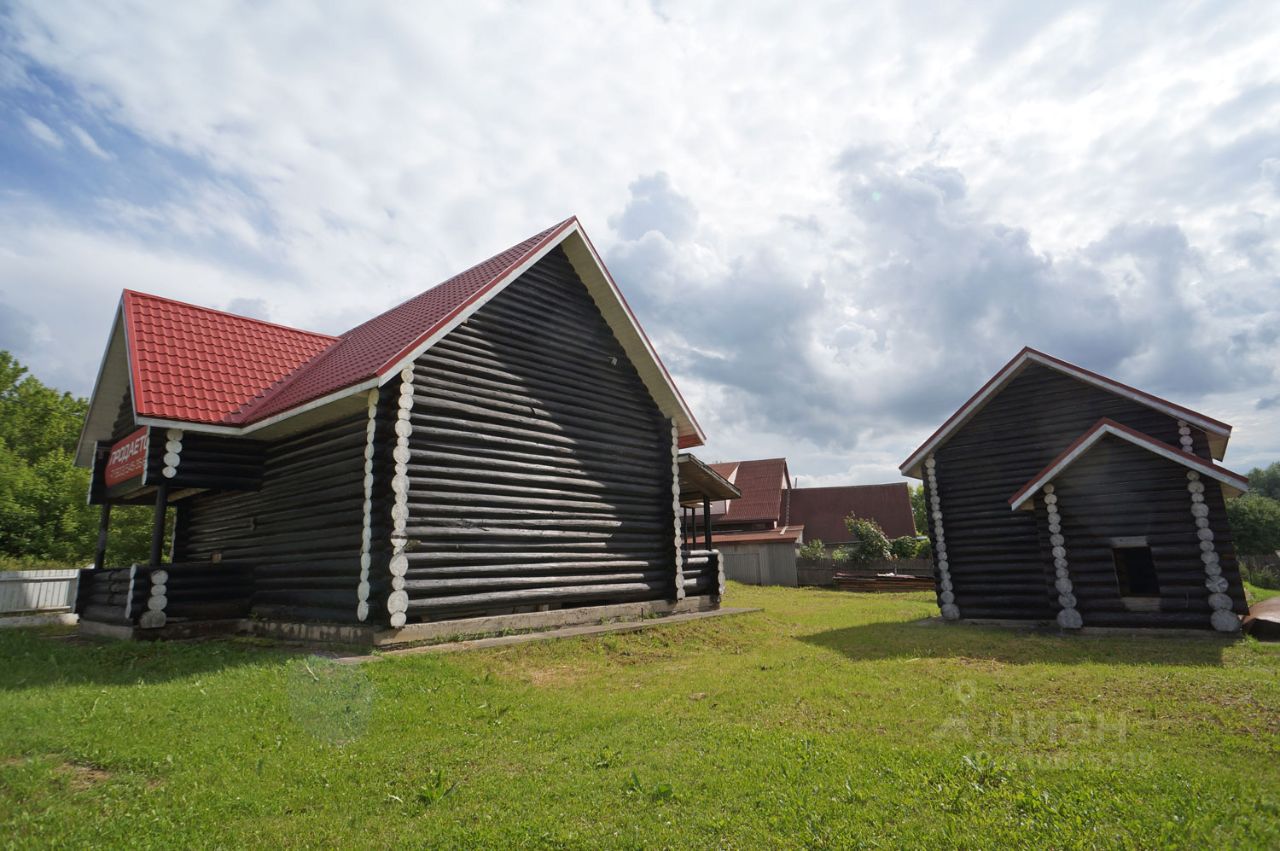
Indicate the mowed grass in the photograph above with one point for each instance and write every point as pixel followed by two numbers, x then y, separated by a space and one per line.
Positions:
pixel 827 719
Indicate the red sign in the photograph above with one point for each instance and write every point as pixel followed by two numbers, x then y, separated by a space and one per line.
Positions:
pixel 128 458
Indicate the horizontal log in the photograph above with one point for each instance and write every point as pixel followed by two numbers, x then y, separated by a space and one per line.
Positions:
pixel 104 614
pixel 332 614
pixel 562 409
pixel 547 430
pixel 498 551
pixel 413 586
pixel 483 421
pixel 539 568
pixel 423 487
pixel 639 590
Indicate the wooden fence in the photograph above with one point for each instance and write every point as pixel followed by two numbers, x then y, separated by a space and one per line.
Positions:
pixel 24 592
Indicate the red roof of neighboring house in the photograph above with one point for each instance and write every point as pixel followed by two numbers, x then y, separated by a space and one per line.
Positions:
pixel 781 535
pixel 761 483
pixel 1104 427
pixel 823 510
pixel 200 365
pixel 1218 431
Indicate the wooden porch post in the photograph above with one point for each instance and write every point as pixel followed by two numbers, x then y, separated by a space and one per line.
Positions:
pixel 157 528
pixel 104 523
pixel 706 522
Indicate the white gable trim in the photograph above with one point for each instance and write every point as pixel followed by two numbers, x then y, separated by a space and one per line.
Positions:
pixel 911 467
pixel 114 377
pixel 1234 484
pixel 604 292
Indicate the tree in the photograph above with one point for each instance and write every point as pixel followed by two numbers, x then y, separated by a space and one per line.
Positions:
pixel 869 542
pixel 918 510
pixel 904 547
pixel 43 513
pixel 1265 481
pixel 1255 523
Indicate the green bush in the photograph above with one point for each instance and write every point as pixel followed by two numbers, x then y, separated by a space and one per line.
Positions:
pixel 869 541
pixel 904 547
pixel 924 548
pixel 814 549
pixel 1262 575
pixel 1255 524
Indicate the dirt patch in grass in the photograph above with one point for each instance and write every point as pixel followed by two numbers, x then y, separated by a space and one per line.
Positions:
pixel 82 775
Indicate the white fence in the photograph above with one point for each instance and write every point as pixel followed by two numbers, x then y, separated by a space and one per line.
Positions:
pixel 37 591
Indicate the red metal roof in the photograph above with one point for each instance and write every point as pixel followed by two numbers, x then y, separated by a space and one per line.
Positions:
pixel 1028 354
pixel 1105 426
pixel 200 365
pixel 195 364
pixel 822 510
pixel 371 349
pixel 761 483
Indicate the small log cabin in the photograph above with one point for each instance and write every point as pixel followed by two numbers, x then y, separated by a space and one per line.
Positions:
pixel 1057 494
pixel 508 442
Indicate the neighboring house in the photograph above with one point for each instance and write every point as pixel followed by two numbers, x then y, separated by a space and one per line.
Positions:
pixel 822 511
pixel 1058 493
pixel 759 532
pixel 506 442
pixel 751 533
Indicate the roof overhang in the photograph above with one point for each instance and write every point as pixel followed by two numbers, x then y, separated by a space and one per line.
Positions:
pixel 1218 432
pixel 114 378
pixel 698 482
pixel 1233 484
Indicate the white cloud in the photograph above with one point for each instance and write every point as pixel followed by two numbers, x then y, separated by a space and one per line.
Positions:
pixel 43 132
pixel 88 142
pixel 836 222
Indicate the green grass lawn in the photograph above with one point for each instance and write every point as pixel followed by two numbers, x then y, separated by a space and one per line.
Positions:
pixel 828 719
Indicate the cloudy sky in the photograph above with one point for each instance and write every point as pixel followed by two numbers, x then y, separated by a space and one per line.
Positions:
pixel 836 220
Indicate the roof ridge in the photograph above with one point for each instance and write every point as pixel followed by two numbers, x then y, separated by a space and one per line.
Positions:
pixel 541 234
pixel 245 414
pixel 1064 458
pixel 845 487
pixel 128 293
pixel 1014 365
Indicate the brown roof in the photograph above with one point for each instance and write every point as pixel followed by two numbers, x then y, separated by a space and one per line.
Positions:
pixel 822 510
pixel 761 483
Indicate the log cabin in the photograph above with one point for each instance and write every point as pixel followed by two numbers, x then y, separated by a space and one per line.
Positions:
pixel 505 443
pixel 1057 494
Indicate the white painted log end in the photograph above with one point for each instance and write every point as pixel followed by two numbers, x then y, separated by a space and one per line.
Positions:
pixel 1070 619
pixel 1225 621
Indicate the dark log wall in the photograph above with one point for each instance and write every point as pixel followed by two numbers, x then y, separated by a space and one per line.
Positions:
pixel 540 469
pixel 1120 490
pixel 204 461
pixel 300 532
pixel 997 561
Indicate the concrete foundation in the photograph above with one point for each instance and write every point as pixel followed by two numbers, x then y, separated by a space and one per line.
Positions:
pixel 352 635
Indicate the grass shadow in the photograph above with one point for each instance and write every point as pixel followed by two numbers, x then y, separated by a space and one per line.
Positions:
pixel 41 657
pixel 1015 646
